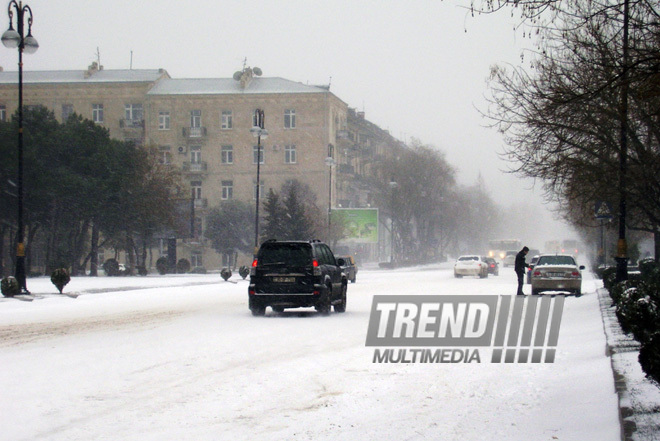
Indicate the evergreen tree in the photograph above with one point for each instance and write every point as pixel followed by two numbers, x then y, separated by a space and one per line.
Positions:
pixel 273 226
pixel 297 225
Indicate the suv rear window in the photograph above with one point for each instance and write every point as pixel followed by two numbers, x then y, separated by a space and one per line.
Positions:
pixel 285 253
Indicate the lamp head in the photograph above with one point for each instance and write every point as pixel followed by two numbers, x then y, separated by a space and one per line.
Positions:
pixel 11 38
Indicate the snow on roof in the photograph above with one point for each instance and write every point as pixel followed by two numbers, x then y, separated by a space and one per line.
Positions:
pixel 211 86
pixel 79 76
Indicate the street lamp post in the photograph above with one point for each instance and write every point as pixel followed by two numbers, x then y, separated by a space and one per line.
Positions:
pixel 393 185
pixel 330 162
pixel 25 43
pixel 258 131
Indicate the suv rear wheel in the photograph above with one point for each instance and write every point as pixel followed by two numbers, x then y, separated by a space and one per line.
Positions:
pixel 257 308
pixel 323 305
pixel 341 307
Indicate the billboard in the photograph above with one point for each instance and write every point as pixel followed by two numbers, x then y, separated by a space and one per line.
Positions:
pixel 361 224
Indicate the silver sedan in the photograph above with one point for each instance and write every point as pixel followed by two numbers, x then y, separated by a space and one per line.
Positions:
pixel 556 272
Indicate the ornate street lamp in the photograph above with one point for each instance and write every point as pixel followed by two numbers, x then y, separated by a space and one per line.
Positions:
pixel 17 39
pixel 258 131
pixel 330 162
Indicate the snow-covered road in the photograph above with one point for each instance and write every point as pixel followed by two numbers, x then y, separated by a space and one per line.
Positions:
pixel 191 363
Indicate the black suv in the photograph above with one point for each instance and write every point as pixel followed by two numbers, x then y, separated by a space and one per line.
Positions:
pixel 295 274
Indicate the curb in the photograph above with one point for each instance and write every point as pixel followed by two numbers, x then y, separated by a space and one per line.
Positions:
pixel 639 419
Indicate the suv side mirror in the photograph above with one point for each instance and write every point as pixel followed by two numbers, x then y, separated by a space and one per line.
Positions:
pixel 581 267
pixel 341 262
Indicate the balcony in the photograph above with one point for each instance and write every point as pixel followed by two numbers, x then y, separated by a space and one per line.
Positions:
pixel 194 167
pixel 201 203
pixel 131 123
pixel 194 132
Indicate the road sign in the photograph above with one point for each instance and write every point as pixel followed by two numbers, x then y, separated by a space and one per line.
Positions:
pixel 603 210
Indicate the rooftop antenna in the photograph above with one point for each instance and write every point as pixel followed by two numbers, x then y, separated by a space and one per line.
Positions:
pixel 98 56
pixel 330 82
pixel 131 65
pixel 244 63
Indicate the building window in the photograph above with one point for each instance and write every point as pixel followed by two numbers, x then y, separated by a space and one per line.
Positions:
pixel 163 120
pixel 262 195
pixel 165 157
pixel 195 154
pixel 227 190
pixel 227 154
pixel 195 119
pixel 97 113
pixel 133 112
pixel 289 119
pixel 257 153
pixel 196 189
pixel 67 111
pixel 227 122
pixel 290 156
pixel 196 259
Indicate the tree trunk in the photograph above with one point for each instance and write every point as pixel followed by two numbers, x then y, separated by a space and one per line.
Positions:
pixel 656 242
pixel 94 265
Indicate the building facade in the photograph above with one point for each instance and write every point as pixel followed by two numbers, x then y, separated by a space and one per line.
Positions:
pixel 203 127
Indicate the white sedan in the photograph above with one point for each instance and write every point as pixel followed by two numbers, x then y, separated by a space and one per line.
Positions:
pixel 471 266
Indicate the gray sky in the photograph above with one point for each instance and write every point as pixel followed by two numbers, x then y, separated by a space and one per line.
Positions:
pixel 417 68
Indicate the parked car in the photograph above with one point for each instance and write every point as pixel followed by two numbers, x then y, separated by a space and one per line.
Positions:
pixel 470 266
pixel 509 258
pixel 350 268
pixel 493 266
pixel 294 274
pixel 531 267
pixel 557 272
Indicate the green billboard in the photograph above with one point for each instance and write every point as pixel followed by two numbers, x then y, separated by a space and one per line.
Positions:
pixel 360 224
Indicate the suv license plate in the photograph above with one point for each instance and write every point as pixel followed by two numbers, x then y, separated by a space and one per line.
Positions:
pixel 284 279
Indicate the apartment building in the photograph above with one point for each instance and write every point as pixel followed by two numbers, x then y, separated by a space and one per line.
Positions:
pixel 203 127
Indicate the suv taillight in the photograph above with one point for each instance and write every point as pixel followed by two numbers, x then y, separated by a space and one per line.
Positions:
pixel 254 263
pixel 253 270
pixel 317 270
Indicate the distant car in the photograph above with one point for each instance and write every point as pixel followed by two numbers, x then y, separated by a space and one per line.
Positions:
pixel 349 267
pixel 470 266
pixel 493 266
pixel 531 267
pixel 509 258
pixel 557 272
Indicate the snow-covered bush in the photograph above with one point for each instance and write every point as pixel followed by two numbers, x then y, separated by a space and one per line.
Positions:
pixel 9 286
pixel 60 278
pixel 609 277
pixel 638 310
pixel 111 267
pixel 225 273
pixel 161 265
pixel 183 266
pixel 244 271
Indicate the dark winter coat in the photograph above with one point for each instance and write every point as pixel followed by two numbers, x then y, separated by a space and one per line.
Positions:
pixel 520 262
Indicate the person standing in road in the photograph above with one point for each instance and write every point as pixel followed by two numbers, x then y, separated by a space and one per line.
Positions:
pixel 520 267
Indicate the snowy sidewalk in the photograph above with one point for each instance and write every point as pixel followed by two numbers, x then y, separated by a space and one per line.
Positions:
pixel 639 397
